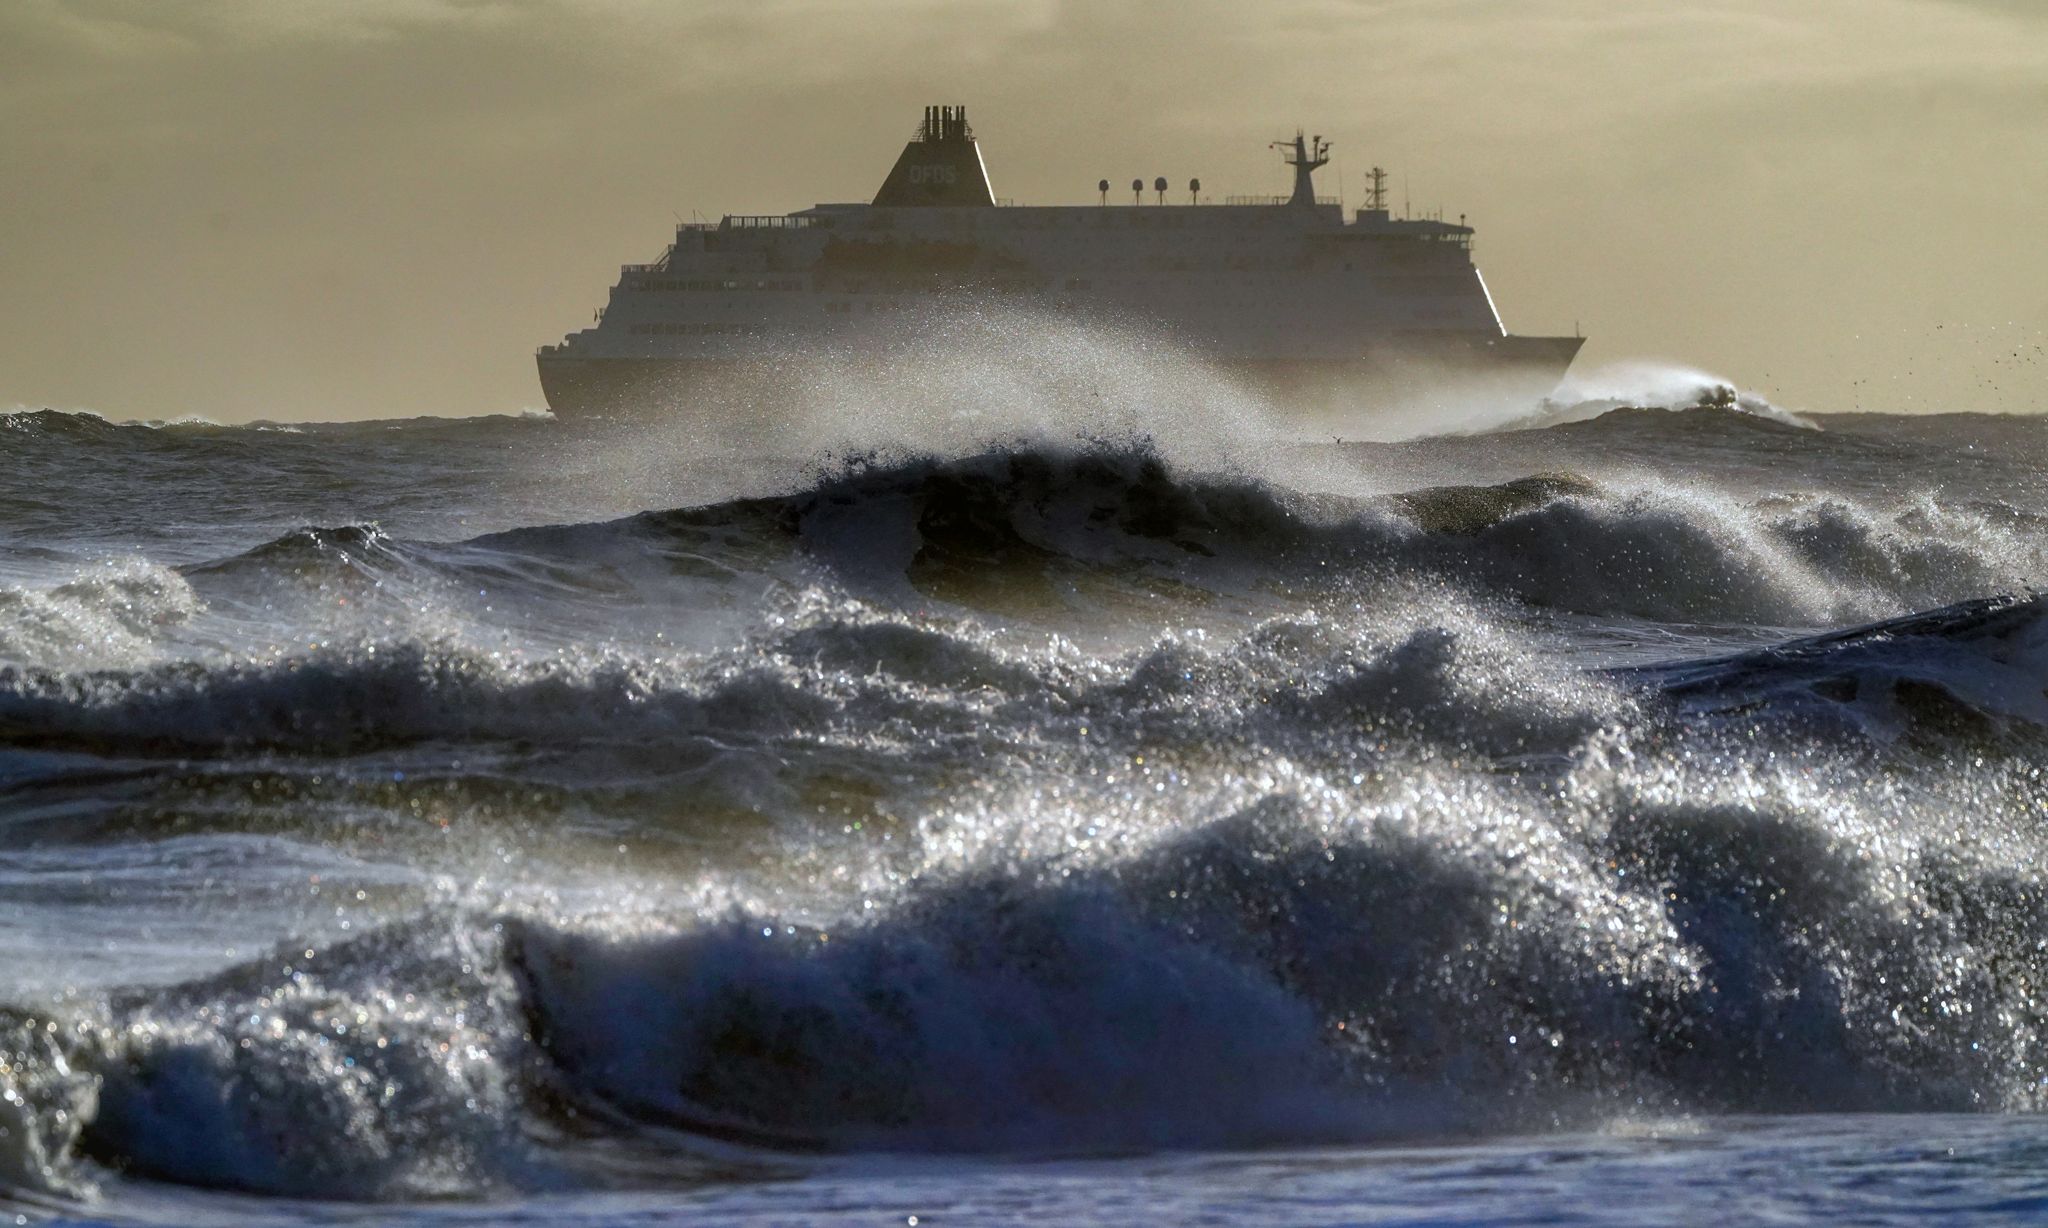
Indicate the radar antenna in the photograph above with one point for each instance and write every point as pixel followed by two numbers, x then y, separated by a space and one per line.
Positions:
pixel 1304 154
pixel 1376 195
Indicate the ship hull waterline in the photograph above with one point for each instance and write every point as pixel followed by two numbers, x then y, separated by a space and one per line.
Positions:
pixel 1457 378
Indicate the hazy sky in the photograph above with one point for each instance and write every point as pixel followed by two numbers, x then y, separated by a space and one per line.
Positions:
pixel 289 209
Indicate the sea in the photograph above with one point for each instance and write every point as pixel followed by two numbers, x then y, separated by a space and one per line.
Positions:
pixel 1046 790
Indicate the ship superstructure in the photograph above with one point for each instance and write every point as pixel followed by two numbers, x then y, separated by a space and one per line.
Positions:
pixel 1288 292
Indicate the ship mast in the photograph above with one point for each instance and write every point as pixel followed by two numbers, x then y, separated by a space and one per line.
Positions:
pixel 1304 154
pixel 1376 195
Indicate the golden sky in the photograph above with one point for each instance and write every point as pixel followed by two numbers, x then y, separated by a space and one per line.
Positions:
pixel 295 209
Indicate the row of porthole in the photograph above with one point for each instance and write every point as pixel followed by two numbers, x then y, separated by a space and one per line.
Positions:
pixel 672 285
pixel 691 329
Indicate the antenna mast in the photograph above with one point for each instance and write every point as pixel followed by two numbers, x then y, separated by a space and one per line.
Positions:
pixel 1376 195
pixel 1304 155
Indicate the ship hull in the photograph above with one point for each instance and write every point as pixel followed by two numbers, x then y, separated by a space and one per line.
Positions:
pixel 1447 376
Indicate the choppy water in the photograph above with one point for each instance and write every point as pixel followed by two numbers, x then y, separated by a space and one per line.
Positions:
pixel 1636 818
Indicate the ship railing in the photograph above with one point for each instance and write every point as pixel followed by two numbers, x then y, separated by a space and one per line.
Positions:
pixel 658 266
pixel 1278 200
pixel 769 221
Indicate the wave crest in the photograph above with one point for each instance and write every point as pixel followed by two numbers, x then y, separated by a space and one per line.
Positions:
pixel 109 613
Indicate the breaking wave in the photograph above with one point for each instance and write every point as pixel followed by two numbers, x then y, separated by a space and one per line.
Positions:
pixel 1242 961
pixel 1640 389
pixel 886 577
pixel 104 614
pixel 1015 529
pixel 1040 528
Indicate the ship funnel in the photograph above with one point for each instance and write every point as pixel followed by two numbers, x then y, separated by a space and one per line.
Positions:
pixel 940 166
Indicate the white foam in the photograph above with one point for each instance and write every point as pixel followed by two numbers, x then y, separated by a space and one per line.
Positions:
pixel 111 614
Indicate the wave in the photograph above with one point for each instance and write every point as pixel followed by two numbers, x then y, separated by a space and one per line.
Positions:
pixel 1025 530
pixel 1434 674
pixel 384 1074
pixel 1642 389
pixel 1713 419
pixel 1036 529
pixel 874 573
pixel 302 546
pixel 1974 674
pixel 1592 901
pixel 88 424
pixel 58 423
pixel 370 696
pixel 1679 556
pixel 105 614
pixel 1044 532
pixel 1466 953
pixel 908 691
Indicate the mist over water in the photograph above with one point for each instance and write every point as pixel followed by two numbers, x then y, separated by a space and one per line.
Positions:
pixel 1030 777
